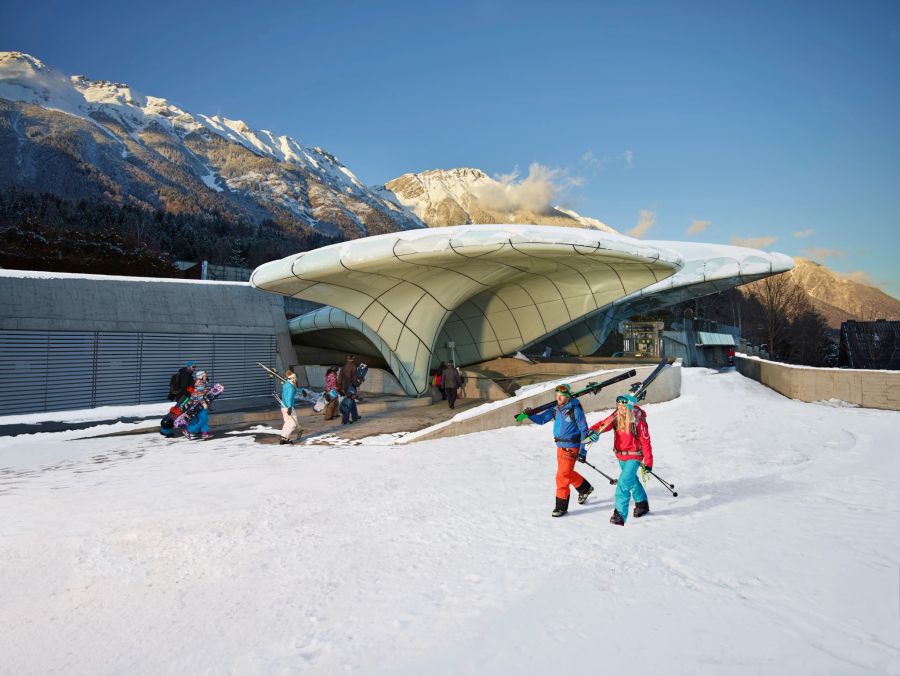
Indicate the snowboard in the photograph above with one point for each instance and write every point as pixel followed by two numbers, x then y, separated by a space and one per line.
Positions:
pixel 191 411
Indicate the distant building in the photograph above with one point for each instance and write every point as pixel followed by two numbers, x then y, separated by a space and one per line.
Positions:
pixel 870 345
pixel 701 342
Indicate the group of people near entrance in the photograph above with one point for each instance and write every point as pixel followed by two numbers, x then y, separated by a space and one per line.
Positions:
pixel 631 445
pixel 342 390
pixel 341 395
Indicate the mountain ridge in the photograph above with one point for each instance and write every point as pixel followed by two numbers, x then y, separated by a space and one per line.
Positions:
pixel 129 147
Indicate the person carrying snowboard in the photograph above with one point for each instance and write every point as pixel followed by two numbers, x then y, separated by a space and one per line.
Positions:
pixel 198 428
pixel 288 392
pixel 631 444
pixel 569 428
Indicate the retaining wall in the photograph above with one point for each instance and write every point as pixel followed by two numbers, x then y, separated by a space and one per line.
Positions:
pixel 667 386
pixel 871 389
pixel 87 340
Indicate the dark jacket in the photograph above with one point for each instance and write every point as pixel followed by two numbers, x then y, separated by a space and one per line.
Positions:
pixel 183 381
pixel 347 376
pixel 450 378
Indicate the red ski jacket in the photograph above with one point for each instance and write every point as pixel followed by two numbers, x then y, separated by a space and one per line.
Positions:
pixel 633 444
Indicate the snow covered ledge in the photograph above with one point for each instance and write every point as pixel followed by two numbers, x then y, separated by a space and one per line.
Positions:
pixel 497 414
pixel 871 389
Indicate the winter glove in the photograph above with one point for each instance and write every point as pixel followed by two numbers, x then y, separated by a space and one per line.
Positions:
pixel 594 436
pixel 528 411
pixel 582 454
pixel 649 468
pixel 290 409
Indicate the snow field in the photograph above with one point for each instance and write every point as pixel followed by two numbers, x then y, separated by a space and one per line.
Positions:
pixel 780 554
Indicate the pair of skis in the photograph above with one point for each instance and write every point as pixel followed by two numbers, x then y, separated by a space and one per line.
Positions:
pixel 592 388
pixel 638 391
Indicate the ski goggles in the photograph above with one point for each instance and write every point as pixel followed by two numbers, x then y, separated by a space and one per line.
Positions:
pixel 621 400
pixel 564 389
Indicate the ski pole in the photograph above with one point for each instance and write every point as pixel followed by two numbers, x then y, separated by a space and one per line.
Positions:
pixel 665 483
pixel 612 482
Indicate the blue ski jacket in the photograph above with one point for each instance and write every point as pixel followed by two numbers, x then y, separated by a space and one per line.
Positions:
pixel 288 392
pixel 569 425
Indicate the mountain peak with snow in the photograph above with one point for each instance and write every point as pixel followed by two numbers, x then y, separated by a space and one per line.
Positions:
pixel 150 147
pixel 466 195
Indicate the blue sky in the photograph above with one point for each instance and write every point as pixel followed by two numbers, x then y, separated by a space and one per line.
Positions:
pixel 746 120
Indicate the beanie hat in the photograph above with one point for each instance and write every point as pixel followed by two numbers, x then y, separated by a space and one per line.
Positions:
pixel 628 400
pixel 565 389
pixel 199 375
pixel 191 364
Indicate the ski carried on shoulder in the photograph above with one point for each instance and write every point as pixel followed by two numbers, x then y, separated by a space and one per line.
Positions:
pixel 272 372
pixel 592 388
pixel 639 389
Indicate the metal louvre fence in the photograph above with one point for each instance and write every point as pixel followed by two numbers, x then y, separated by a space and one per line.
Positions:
pixel 64 370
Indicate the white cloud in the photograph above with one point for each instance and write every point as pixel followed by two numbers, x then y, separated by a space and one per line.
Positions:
pixel 754 242
pixel 698 226
pixel 819 254
pixel 629 158
pixel 800 234
pixel 535 192
pixel 858 276
pixel 645 222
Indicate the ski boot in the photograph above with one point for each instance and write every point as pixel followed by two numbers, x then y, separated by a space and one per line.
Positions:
pixel 562 506
pixel 584 491
pixel 641 508
pixel 616 518
pixel 282 441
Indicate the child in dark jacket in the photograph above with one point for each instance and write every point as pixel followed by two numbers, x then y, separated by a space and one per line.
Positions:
pixel 349 412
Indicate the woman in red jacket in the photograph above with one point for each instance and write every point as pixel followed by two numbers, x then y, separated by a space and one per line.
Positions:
pixel 631 444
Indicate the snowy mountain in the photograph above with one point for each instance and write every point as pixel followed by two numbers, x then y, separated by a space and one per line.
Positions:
pixel 462 196
pixel 838 298
pixel 84 139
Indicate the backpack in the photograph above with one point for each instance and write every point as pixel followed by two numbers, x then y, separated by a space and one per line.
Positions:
pixel 173 385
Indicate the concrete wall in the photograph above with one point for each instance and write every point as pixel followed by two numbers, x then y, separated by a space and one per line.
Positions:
pixel 667 386
pixel 98 303
pixel 871 389
pixel 44 302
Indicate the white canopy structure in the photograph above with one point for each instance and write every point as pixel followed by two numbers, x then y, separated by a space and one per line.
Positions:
pixel 480 291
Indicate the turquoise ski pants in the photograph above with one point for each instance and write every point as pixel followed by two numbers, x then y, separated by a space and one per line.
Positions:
pixel 200 423
pixel 628 485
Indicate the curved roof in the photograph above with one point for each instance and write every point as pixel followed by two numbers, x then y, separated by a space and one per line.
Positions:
pixel 707 269
pixel 489 289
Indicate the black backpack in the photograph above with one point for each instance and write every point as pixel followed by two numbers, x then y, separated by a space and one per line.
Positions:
pixel 173 387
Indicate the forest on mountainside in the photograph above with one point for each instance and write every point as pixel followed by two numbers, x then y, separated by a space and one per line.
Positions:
pixel 45 232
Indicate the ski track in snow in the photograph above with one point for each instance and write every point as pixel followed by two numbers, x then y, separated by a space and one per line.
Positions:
pixel 144 555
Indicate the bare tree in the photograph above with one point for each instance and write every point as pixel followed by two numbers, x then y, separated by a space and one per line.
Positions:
pixel 781 299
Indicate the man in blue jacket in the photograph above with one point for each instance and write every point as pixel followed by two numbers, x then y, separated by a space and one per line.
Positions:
pixel 569 428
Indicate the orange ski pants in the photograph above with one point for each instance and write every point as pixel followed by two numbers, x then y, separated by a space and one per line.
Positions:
pixel 565 472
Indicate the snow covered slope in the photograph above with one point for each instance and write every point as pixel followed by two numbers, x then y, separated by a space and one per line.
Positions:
pixel 154 152
pixel 462 196
pixel 140 555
